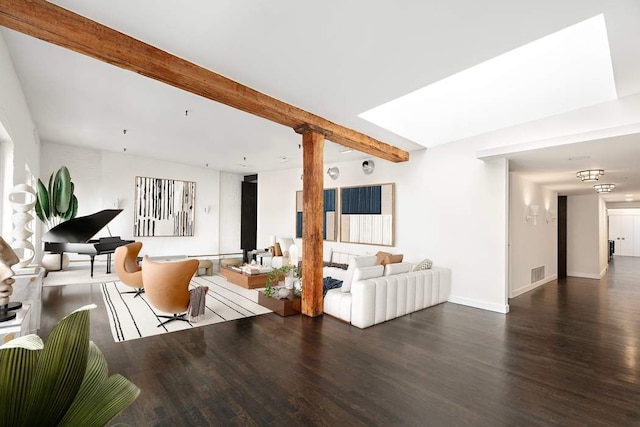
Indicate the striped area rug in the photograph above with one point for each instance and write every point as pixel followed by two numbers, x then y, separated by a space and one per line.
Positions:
pixel 131 318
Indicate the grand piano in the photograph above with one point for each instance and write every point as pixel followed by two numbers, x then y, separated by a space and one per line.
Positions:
pixel 74 236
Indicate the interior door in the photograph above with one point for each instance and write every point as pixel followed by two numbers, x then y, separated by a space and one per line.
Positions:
pixel 636 235
pixel 621 232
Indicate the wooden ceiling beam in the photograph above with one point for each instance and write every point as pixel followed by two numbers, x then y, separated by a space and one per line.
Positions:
pixel 54 24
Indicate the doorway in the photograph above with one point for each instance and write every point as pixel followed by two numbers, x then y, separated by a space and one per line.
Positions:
pixel 249 215
pixel 562 236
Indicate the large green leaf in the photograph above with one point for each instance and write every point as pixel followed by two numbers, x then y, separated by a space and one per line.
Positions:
pixel 99 398
pixel 73 209
pixel 18 361
pixel 61 368
pixel 63 382
pixel 42 202
pixel 52 196
pixel 64 190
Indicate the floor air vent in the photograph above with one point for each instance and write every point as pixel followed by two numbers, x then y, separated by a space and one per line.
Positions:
pixel 537 274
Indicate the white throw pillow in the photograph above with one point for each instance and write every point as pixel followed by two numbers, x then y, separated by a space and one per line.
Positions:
pixel 364 273
pixel 357 262
pixel 397 268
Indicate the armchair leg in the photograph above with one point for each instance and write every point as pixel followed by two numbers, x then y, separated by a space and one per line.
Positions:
pixel 172 318
pixel 137 292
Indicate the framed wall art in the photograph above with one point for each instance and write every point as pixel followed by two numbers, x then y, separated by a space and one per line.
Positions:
pixel 366 214
pixel 164 207
pixel 330 215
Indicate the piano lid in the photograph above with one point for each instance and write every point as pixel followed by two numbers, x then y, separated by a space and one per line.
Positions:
pixel 80 229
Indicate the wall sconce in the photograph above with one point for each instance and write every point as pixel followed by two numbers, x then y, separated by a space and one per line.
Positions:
pixel 551 215
pixel 368 166
pixel 116 203
pixel 333 173
pixel 533 214
pixel 207 209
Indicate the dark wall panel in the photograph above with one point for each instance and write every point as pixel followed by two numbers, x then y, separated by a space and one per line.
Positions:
pixel 562 236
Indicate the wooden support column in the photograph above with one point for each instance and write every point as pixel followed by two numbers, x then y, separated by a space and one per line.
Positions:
pixel 313 199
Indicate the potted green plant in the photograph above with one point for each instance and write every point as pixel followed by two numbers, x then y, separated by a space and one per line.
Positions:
pixel 62 381
pixel 54 205
pixel 282 300
pixel 276 275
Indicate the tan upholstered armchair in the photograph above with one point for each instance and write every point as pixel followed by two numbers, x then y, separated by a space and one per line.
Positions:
pixel 127 268
pixel 167 286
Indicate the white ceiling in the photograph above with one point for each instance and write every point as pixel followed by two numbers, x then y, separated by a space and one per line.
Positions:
pixel 556 167
pixel 336 59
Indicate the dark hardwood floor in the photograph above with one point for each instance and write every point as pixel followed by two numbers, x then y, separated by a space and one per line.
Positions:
pixel 567 354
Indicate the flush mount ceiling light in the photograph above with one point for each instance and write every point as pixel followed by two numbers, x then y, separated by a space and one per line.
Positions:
pixel 333 172
pixel 590 174
pixel 604 188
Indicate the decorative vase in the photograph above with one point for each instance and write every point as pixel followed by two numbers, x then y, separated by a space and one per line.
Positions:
pixel 51 262
pixel 283 293
pixel 288 282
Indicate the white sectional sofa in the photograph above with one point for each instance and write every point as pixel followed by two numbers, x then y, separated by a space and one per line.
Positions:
pixel 380 293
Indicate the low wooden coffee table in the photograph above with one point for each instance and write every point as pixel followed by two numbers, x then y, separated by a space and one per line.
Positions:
pixel 249 281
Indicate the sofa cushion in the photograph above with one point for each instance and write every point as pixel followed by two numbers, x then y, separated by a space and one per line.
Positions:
pixel 356 262
pixel 381 256
pixel 392 259
pixel 326 253
pixel 364 273
pixel 342 257
pixel 397 268
pixel 338 304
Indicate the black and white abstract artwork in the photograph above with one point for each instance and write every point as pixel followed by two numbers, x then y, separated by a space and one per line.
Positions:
pixel 164 207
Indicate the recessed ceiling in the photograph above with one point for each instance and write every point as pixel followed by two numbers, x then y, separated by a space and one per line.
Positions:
pixel 561 72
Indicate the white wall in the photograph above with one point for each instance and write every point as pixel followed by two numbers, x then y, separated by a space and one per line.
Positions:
pixel 623 211
pixel 449 207
pixel 102 177
pixel 584 236
pixel 531 245
pixel 15 117
pixel 230 211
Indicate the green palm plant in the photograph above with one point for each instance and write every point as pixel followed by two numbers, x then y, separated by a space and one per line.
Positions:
pixel 56 203
pixel 61 382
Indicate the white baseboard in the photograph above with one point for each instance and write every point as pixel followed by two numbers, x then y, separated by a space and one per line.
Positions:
pixel 532 286
pixel 484 305
pixel 583 275
pixel 604 271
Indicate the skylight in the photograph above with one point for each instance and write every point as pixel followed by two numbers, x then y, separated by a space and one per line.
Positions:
pixel 561 72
